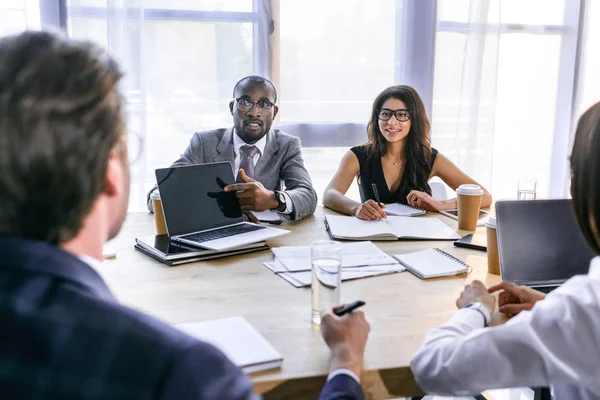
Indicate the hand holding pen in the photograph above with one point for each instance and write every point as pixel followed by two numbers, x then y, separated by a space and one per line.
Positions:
pixel 371 210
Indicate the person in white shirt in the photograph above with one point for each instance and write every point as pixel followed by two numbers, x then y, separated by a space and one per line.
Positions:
pixel 553 340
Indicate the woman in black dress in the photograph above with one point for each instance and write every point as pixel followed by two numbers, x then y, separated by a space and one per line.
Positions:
pixel 397 158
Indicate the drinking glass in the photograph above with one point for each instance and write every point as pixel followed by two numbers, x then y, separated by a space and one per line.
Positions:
pixel 326 260
pixel 526 189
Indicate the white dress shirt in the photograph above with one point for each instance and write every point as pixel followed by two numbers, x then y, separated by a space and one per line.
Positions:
pixel 260 145
pixel 555 344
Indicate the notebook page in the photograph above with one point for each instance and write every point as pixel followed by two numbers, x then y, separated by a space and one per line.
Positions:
pixel 431 263
pixel 297 258
pixel 402 210
pixel 421 228
pixel 235 337
pixel 352 227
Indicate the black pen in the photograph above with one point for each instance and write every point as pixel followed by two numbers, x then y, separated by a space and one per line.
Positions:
pixel 374 186
pixel 349 307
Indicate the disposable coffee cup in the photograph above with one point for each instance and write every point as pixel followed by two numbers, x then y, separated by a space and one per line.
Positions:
pixel 159 216
pixel 469 200
pixel 492 246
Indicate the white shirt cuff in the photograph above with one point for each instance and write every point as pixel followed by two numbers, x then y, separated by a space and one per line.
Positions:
pixel 469 318
pixel 343 371
pixel 289 206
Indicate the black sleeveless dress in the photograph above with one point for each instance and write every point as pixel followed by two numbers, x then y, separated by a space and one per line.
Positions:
pixel 371 171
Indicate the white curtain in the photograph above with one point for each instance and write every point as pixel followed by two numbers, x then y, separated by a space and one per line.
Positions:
pixel 181 61
pixel 18 15
pixel 464 100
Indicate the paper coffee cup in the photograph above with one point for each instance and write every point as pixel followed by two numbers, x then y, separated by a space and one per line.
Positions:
pixel 492 246
pixel 159 216
pixel 468 197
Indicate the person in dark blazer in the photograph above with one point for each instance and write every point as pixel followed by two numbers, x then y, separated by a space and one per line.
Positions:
pixel 265 161
pixel 63 334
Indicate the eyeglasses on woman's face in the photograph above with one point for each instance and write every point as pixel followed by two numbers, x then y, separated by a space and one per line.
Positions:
pixel 401 114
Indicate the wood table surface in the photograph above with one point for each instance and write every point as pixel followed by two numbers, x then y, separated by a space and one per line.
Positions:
pixel 401 308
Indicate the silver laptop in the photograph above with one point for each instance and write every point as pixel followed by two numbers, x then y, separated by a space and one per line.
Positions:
pixel 199 212
pixel 540 244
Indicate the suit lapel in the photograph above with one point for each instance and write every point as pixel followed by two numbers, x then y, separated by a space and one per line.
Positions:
pixel 225 147
pixel 266 162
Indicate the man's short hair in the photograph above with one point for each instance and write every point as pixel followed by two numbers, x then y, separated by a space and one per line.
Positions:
pixel 255 79
pixel 60 118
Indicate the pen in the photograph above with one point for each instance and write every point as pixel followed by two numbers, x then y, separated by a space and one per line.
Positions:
pixel 374 186
pixel 349 307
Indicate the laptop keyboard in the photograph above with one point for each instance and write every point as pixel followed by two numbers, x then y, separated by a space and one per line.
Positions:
pixel 545 289
pixel 222 233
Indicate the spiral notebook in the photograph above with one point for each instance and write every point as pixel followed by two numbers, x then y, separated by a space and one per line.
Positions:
pixel 432 263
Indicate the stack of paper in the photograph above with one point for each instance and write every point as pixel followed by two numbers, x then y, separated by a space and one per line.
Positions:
pixel 359 260
pixel 240 342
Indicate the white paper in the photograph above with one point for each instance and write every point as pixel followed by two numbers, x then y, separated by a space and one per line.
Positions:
pixel 403 210
pixel 235 337
pixel 303 278
pixel 297 258
pixel 267 216
pixel 421 228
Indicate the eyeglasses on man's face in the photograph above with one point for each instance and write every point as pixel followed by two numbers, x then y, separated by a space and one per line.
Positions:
pixel 245 104
pixel 401 115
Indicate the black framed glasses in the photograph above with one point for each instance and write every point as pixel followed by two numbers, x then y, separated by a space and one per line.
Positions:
pixel 401 114
pixel 245 104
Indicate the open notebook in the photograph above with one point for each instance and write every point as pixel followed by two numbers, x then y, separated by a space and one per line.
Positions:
pixel 240 342
pixel 391 228
pixel 432 263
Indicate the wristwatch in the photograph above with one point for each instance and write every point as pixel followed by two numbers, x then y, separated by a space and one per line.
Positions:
pixel 483 310
pixel 281 205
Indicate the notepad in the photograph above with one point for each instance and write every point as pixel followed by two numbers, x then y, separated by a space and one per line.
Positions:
pixel 391 228
pixel 403 210
pixel 432 263
pixel 240 342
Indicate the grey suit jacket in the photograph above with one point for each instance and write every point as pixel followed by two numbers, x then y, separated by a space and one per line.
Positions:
pixel 281 166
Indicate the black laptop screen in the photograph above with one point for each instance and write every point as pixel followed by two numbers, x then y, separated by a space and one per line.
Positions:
pixel 193 198
pixel 540 241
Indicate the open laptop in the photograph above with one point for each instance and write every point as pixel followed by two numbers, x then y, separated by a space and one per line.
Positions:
pixel 540 244
pixel 198 211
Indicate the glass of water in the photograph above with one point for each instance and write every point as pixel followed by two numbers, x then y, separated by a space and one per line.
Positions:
pixel 526 189
pixel 326 259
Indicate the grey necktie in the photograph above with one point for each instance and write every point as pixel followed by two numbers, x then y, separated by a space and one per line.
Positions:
pixel 247 153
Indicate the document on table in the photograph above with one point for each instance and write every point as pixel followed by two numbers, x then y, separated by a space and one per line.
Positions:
pixel 297 258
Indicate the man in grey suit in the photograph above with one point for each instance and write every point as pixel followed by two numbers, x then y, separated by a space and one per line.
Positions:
pixel 265 160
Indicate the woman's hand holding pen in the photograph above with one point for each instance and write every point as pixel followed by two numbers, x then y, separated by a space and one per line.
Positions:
pixel 370 211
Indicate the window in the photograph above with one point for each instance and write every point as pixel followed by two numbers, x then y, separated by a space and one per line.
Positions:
pixel 182 59
pixel 518 109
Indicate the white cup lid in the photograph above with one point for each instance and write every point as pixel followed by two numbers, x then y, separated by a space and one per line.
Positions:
pixel 491 222
pixel 155 195
pixel 470 189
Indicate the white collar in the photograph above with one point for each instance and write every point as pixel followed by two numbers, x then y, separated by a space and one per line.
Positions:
pixel 595 267
pixel 91 261
pixel 238 142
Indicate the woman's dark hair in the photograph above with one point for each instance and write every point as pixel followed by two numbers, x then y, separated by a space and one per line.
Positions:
pixel 60 118
pixel 585 175
pixel 417 144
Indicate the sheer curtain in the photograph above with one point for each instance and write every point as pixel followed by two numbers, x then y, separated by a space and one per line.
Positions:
pixel 465 80
pixel 18 15
pixel 181 60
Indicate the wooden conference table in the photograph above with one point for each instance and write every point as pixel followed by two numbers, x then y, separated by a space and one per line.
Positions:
pixel 401 308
